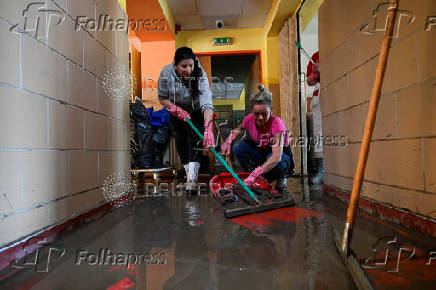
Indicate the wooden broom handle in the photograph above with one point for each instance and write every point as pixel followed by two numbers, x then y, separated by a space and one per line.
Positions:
pixel 370 121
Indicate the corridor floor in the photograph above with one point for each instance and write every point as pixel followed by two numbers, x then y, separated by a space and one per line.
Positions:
pixel 176 242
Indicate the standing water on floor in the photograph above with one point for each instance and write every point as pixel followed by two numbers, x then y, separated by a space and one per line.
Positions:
pixel 184 242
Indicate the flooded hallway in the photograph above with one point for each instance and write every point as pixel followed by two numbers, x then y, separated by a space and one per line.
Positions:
pixel 194 144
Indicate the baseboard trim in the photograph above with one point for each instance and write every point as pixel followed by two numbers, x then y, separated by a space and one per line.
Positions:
pixel 18 249
pixel 388 213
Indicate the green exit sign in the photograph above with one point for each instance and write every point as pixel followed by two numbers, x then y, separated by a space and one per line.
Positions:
pixel 222 41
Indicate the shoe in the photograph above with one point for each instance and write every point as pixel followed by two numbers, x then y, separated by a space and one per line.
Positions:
pixel 282 186
pixel 194 167
pixel 192 185
pixel 282 182
pixel 186 167
pixel 320 171
pixel 316 180
pixel 192 177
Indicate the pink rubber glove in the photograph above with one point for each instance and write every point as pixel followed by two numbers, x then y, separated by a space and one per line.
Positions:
pixel 249 181
pixel 179 113
pixel 227 146
pixel 209 140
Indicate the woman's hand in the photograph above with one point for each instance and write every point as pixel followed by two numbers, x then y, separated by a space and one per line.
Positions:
pixel 209 140
pixel 227 146
pixel 179 113
pixel 250 180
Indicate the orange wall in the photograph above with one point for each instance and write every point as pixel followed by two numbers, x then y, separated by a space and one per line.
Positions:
pixel 154 56
pixel 148 11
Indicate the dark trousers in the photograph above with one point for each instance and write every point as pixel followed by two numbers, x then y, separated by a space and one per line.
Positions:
pixel 249 154
pixel 188 143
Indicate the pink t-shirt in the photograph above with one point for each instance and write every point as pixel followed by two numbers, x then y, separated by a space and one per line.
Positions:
pixel 276 127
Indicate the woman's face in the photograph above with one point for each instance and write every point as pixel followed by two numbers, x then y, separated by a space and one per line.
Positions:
pixel 261 114
pixel 185 67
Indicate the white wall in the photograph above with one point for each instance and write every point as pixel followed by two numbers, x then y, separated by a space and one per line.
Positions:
pixel 309 41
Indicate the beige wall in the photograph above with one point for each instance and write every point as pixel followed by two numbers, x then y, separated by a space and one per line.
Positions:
pixel 402 161
pixel 60 135
pixel 289 106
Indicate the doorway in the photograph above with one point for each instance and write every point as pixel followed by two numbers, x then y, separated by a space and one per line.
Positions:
pixel 309 125
pixel 233 77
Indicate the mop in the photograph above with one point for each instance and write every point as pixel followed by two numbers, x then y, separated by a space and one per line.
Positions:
pixel 257 206
pixel 304 51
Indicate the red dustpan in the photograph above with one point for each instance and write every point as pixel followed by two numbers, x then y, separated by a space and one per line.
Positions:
pixel 226 180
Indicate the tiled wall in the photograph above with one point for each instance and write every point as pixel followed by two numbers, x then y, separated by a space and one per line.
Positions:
pixel 401 169
pixel 60 134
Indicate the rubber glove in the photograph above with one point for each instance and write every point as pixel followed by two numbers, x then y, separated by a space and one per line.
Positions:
pixel 209 140
pixel 179 113
pixel 249 181
pixel 227 146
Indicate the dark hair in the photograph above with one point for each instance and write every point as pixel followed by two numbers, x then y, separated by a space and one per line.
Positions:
pixel 262 98
pixel 183 53
pixel 187 53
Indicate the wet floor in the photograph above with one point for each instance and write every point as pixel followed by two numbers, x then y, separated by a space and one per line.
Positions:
pixel 179 242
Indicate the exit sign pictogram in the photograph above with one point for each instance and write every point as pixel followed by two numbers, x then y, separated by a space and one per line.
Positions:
pixel 222 41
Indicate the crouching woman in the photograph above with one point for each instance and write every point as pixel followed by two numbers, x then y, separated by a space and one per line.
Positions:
pixel 267 150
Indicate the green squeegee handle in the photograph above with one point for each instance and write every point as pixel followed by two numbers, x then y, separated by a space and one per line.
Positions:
pixel 220 158
pixel 304 51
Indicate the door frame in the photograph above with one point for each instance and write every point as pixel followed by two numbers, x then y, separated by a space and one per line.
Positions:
pixel 237 52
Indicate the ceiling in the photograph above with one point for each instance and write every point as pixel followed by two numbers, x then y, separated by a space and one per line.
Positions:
pixel 312 27
pixel 203 14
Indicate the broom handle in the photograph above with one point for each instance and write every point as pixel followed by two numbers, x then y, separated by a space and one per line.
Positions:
pixel 229 161
pixel 220 158
pixel 369 126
